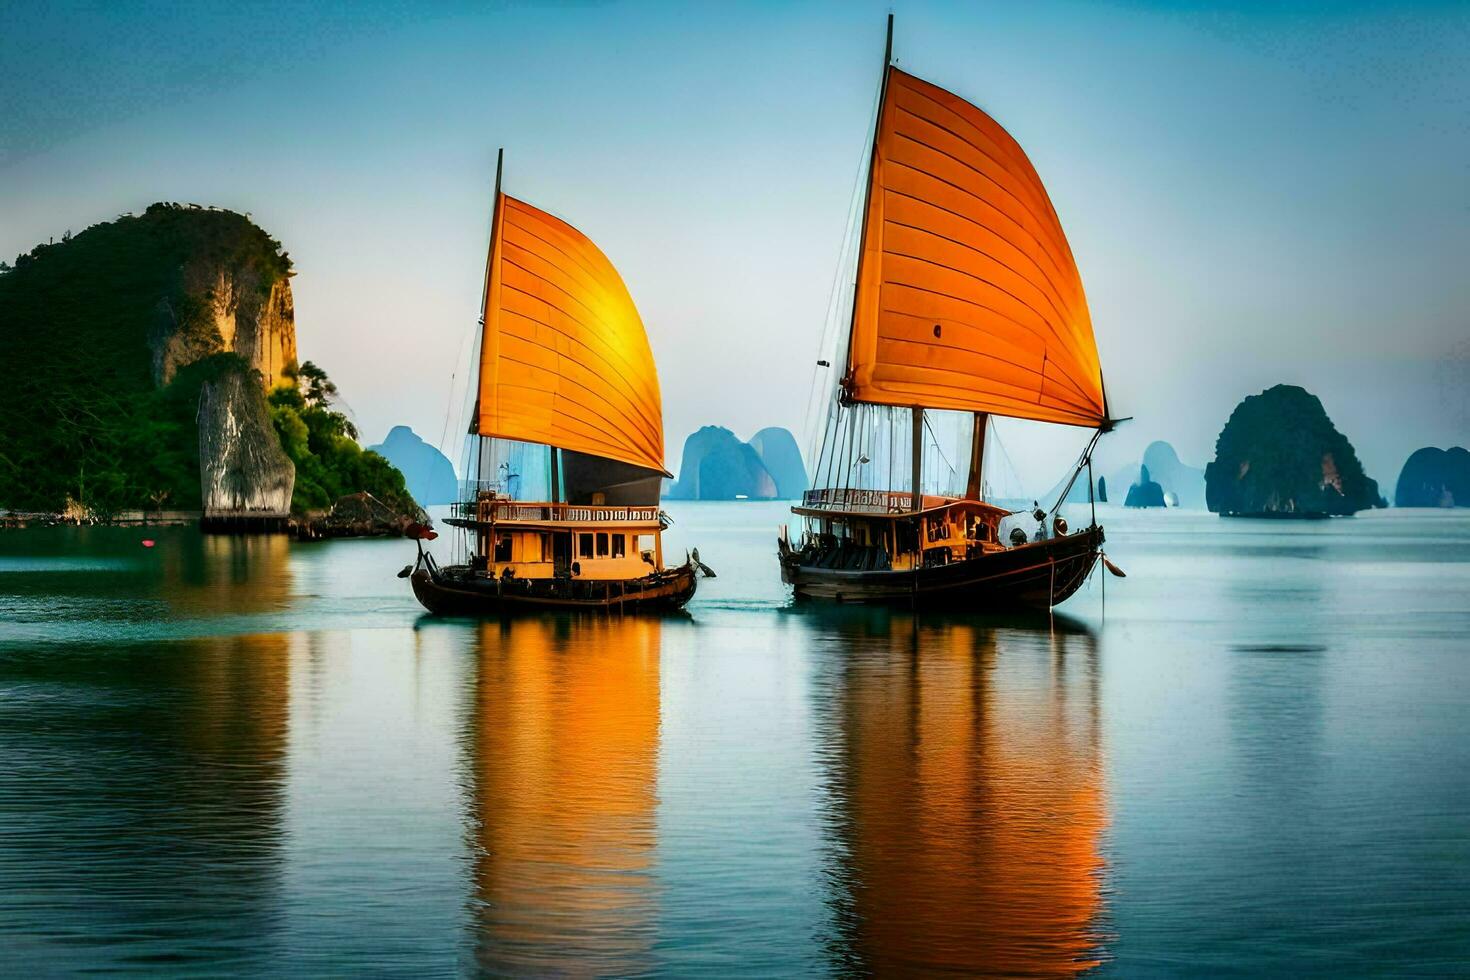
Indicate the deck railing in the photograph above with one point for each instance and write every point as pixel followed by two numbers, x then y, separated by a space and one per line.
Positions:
pixel 491 509
pixel 861 501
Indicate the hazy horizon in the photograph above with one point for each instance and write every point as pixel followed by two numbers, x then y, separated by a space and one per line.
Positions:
pixel 1258 196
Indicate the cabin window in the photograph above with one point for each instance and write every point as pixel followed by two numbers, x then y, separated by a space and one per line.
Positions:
pixel 584 546
pixel 619 545
pixel 502 547
pixel 599 499
pixel 645 543
pixel 545 547
pixel 602 545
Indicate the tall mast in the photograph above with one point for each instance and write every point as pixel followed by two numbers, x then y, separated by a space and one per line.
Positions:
pixel 484 311
pixel 977 456
pixel 868 193
pixel 494 220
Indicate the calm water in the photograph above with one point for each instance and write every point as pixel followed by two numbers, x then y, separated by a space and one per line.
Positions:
pixel 252 756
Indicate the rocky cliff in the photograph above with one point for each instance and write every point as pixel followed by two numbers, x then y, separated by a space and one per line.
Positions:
pixel 1434 478
pixel 426 471
pixel 1144 493
pixel 108 336
pixel 718 466
pixel 244 473
pixel 226 304
pixel 1280 455
pixel 778 452
pixel 135 361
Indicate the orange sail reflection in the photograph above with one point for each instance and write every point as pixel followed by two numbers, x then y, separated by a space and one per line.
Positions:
pixel 970 801
pixel 563 737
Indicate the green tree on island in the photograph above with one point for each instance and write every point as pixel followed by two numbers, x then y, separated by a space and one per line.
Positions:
pixel 322 442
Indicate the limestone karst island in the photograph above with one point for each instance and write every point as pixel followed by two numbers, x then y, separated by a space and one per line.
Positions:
pixel 152 373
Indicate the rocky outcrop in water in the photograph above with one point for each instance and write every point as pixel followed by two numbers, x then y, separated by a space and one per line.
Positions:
pixel 244 474
pixel 109 336
pixel 1434 478
pixel 137 360
pixel 1102 490
pixel 1279 455
pixel 1186 483
pixel 427 472
pixel 718 466
pixel 1145 493
pixel 778 452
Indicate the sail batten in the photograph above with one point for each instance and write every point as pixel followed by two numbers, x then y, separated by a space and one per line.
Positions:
pixel 565 360
pixel 968 296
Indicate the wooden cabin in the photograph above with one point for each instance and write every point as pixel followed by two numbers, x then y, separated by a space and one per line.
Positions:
pixel 539 540
pixel 876 530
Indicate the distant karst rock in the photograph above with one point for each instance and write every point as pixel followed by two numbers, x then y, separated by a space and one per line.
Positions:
pixel 428 473
pixel 1183 485
pixel 1102 490
pixel 718 466
pixel 1186 483
pixel 1434 478
pixel 777 450
pixel 1280 455
pixel 1145 493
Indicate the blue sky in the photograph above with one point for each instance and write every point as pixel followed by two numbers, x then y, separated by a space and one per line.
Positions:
pixel 1255 193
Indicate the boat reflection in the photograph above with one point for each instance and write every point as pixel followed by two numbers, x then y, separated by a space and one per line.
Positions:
pixel 563 732
pixel 967 794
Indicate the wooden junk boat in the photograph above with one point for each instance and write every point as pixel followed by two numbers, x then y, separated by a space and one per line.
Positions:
pixel 564 364
pixel 966 300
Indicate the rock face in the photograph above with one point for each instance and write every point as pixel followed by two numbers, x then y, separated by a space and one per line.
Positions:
pixel 1187 483
pixel 1145 493
pixel 1434 478
pixel 718 466
pixel 108 337
pixel 427 472
pixel 226 305
pixel 778 452
pixel 1280 455
pixel 244 474
pixel 1102 490
pixel 1183 485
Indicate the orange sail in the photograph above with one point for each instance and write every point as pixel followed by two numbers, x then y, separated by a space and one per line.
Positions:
pixel 968 296
pixel 564 360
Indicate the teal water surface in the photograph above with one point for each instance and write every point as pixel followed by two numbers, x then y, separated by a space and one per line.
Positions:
pixel 253 756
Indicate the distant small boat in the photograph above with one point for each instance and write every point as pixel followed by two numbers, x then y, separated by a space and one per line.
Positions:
pixel 564 363
pixel 967 299
pixel 742 496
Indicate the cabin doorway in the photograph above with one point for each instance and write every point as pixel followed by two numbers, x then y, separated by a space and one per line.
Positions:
pixel 561 554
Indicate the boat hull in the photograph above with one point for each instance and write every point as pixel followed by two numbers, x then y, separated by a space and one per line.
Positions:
pixel 1040 574
pixel 454 591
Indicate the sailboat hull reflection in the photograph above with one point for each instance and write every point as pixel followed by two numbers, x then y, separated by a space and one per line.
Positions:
pixel 968 797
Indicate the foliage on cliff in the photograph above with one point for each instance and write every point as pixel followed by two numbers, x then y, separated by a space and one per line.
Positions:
pixel 323 445
pixel 1280 454
pixel 82 418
